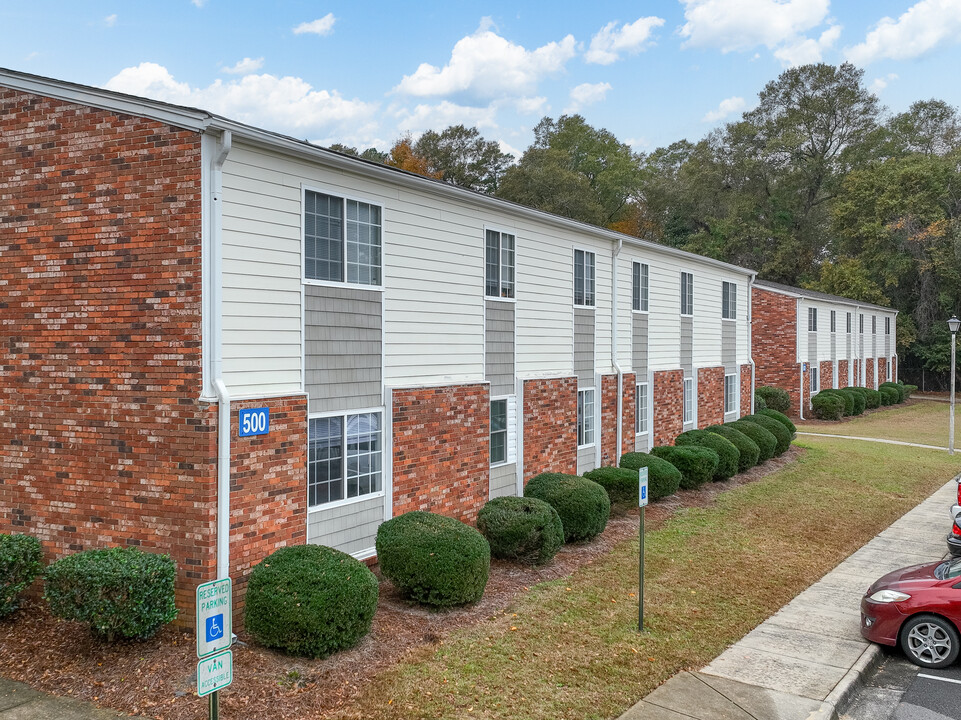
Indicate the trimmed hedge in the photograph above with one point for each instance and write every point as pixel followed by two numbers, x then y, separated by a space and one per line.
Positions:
pixel 872 398
pixel 310 600
pixel 847 398
pixel 120 591
pixel 775 398
pixel 433 559
pixel 858 399
pixel 620 485
pixel 728 455
pixel 697 464
pixel 781 418
pixel 908 390
pixel 765 441
pixel 583 505
pixel 889 396
pixel 899 389
pixel 828 406
pixel 21 562
pixel 781 434
pixel 759 403
pixel 522 529
pixel 748 451
pixel 663 479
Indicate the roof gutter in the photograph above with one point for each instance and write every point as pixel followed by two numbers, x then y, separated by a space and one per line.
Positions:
pixel 617 366
pixel 797 344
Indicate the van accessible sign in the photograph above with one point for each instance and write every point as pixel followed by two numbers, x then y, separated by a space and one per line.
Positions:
pixel 214 611
pixel 215 673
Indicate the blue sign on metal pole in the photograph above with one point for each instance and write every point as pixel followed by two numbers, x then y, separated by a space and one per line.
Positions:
pixel 254 421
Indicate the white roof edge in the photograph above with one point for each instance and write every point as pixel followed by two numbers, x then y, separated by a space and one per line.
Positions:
pixel 840 301
pixel 761 286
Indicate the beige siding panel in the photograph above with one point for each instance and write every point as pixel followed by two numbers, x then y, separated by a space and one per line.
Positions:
pixel 586 459
pixel 503 480
pixel 349 528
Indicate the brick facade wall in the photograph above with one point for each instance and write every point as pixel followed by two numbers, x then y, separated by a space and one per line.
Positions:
pixel 882 370
pixel 746 408
pixel 550 426
pixel 869 373
pixel 710 396
pixel 628 412
pixel 441 458
pixel 774 338
pixel 826 374
pixel 668 395
pixel 842 373
pixel 894 367
pixel 609 456
pixel 102 440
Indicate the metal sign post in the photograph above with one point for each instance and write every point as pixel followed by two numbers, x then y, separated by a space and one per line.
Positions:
pixel 642 503
pixel 214 628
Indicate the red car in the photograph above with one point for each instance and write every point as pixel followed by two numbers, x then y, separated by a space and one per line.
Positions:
pixel 918 608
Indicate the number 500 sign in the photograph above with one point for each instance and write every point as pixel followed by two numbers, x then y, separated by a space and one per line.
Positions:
pixel 254 421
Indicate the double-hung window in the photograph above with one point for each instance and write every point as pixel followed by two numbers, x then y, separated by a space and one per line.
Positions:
pixel 874 324
pixel 687 293
pixel 344 457
pixel 861 324
pixel 849 323
pixel 833 321
pixel 499 265
pixel 730 393
pixel 640 409
pixel 498 431
pixel 812 319
pixel 585 417
pixel 584 278
pixel 641 287
pixel 342 240
pixel 815 380
pixel 688 400
pixel 887 326
pixel 729 301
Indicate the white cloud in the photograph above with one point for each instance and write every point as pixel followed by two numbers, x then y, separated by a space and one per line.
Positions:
pixel 609 42
pixel 436 117
pixel 245 66
pixel 922 28
pixel 639 143
pixel 732 25
pixel 587 94
pixel 808 50
pixel 321 26
pixel 879 83
pixel 485 65
pixel 199 3
pixel 531 105
pixel 110 20
pixel 284 104
pixel 510 149
pixel 726 107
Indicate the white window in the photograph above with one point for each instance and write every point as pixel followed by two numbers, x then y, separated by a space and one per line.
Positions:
pixel 342 240
pixel 687 293
pixel 815 380
pixel 861 323
pixel 500 265
pixel 498 431
pixel 812 319
pixel 833 321
pixel 887 326
pixel 344 457
pixel 874 324
pixel 688 400
pixel 584 278
pixel 849 324
pixel 641 423
pixel 730 393
pixel 729 301
pixel 641 287
pixel 585 417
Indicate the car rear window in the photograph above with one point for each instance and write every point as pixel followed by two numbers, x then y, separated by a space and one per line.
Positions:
pixel 948 569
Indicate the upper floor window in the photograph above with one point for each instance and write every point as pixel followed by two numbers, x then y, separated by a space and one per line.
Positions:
pixel 687 293
pixel 812 319
pixel 861 324
pixel 849 323
pixel 641 287
pixel 833 321
pixel 874 324
pixel 729 301
pixel 500 265
pixel 342 240
pixel 887 326
pixel 584 278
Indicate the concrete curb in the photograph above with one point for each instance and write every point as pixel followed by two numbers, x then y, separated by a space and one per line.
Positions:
pixel 839 698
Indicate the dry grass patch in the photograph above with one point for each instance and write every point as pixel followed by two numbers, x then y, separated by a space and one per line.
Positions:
pixel 918 421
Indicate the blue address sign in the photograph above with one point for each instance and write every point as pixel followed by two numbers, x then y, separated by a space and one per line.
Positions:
pixel 254 421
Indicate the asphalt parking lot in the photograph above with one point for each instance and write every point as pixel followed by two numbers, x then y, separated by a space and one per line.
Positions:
pixel 898 690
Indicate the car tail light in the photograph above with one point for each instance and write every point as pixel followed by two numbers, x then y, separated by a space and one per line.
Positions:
pixel 959 492
pixel 955 530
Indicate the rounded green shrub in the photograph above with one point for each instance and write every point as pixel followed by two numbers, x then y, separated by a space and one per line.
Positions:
pixel 781 418
pixel 727 453
pixel 118 592
pixel 21 562
pixel 860 402
pixel 781 434
pixel 697 464
pixel 846 398
pixel 909 390
pixel 899 389
pixel 522 529
pixel 433 559
pixel 889 396
pixel 828 406
pixel 663 479
pixel 759 403
pixel 582 504
pixel 620 484
pixel 765 441
pixel 775 398
pixel 310 600
pixel 747 449
pixel 872 399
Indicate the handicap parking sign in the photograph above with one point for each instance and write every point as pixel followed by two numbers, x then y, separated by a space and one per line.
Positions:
pixel 215 627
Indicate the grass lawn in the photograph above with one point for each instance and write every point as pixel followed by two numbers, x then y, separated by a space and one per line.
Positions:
pixel 570 648
pixel 925 422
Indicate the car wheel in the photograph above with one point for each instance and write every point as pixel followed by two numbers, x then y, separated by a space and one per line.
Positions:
pixel 930 641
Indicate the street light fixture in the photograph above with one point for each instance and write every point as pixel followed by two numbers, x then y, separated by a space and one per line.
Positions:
pixel 953 325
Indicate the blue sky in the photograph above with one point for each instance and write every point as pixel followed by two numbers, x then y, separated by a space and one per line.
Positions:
pixel 364 73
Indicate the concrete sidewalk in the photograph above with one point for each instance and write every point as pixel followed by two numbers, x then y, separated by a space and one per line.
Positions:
pixel 805 662
pixel 20 702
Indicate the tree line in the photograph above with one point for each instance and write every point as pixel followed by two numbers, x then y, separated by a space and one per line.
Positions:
pixel 817 186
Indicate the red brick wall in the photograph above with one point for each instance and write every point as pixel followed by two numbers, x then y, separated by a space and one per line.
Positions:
pixel 746 408
pixel 550 426
pixel 442 449
pixel 268 488
pixel 710 396
pixel 628 411
pixel 882 370
pixel 103 441
pixel 842 373
pixel 609 456
pixel 826 375
pixel 894 367
pixel 869 373
pixel 774 340
pixel 668 406
pixel 857 372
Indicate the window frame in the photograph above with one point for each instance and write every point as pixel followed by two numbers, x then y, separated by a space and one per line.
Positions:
pixel 687 294
pixel 812 319
pixel 687 401
pixel 344 198
pixel 593 279
pixel 860 323
pixel 500 265
pixel 500 399
pixel 874 324
pixel 640 287
pixel 728 300
pixel 814 379
pixel 584 418
pixel 834 321
pixel 850 323
pixel 638 407
pixel 887 326
pixel 343 416
pixel 735 394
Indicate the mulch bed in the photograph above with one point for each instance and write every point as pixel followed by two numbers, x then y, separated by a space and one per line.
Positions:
pixel 156 679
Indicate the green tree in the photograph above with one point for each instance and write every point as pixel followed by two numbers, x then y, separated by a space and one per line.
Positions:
pixel 929 127
pixel 461 156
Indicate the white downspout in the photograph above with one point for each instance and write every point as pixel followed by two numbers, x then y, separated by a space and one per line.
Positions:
pixel 797 341
pixel 750 343
pixel 617 366
pixel 217 364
